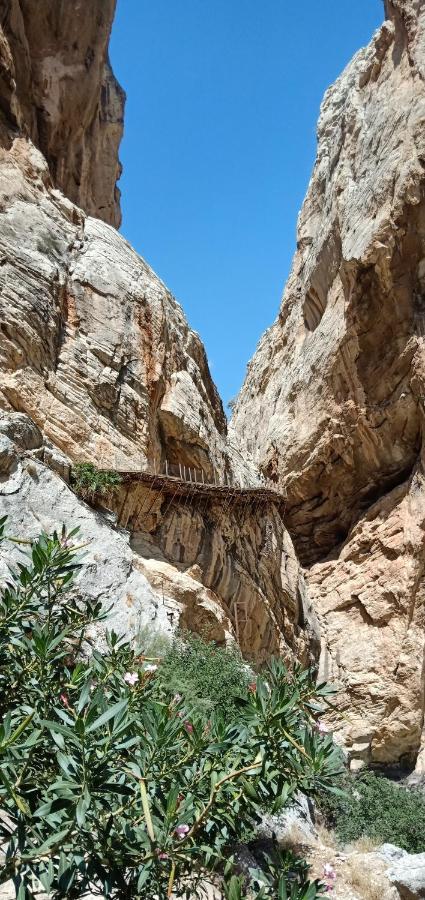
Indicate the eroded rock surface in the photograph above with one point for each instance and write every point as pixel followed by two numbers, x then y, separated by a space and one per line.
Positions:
pixel 34 499
pixel 97 352
pixel 228 574
pixel 92 345
pixel 57 87
pixel 332 405
pixel 241 554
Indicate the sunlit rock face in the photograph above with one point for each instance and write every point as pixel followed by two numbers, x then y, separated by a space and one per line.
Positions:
pixel 97 356
pixel 227 572
pixel 93 347
pixel 332 405
pixel 57 87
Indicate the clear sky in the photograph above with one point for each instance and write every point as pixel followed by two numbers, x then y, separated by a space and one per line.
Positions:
pixel 220 137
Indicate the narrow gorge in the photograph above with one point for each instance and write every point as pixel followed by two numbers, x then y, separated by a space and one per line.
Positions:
pixel 98 364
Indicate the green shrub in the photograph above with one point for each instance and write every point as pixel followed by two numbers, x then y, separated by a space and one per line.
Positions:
pixel 378 808
pixel 209 677
pixel 109 782
pixel 92 484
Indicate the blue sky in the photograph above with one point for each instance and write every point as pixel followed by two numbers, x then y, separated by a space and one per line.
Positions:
pixel 220 137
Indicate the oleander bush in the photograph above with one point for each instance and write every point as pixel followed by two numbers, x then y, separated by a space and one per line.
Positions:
pixel 372 805
pixel 113 783
pixel 93 484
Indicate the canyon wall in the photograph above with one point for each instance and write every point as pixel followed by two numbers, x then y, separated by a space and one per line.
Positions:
pixel 333 402
pixel 57 87
pixel 98 363
pixel 93 346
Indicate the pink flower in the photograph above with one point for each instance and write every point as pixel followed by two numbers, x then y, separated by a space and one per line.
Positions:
pixel 189 727
pixel 252 687
pixel 329 871
pixel 64 699
pixel 131 678
pixel 182 831
pixel 322 728
pixel 151 668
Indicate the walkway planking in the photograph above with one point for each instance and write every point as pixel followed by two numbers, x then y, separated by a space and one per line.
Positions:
pixel 181 487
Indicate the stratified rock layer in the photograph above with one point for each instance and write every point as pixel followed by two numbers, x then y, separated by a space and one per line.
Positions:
pixel 332 405
pixel 92 345
pixel 57 87
pixel 226 573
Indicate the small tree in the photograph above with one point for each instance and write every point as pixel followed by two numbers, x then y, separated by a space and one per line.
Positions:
pixel 109 782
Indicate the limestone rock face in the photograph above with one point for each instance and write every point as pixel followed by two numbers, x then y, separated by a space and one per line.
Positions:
pixel 35 499
pixel 243 557
pixel 406 871
pixel 96 352
pixel 227 574
pixel 57 87
pixel 92 345
pixel 332 405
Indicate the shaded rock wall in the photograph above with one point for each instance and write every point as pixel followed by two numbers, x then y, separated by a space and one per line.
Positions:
pixel 241 553
pixel 333 401
pixel 57 88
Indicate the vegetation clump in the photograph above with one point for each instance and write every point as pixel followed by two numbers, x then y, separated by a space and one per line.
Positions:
pixel 371 805
pixel 113 783
pixel 93 484
pixel 209 677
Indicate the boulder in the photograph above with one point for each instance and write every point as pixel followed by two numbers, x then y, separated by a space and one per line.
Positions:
pixel 406 871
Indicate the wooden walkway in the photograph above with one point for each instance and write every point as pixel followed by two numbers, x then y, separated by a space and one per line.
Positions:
pixel 181 487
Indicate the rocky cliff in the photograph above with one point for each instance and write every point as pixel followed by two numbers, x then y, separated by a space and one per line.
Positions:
pixel 98 363
pixel 332 406
pixel 57 88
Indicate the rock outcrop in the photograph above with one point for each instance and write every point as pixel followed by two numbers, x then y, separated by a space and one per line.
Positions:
pixel 243 556
pixel 57 88
pixel 34 498
pixel 332 406
pixel 229 574
pixel 93 347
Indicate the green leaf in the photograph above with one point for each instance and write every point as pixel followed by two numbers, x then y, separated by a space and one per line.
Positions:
pixel 106 716
pixel 20 802
pixel 233 890
pixel 50 842
pixel 282 892
pixel 17 733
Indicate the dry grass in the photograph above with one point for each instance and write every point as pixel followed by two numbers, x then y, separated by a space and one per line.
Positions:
pixel 364 844
pixel 326 837
pixel 367 881
pixel 295 838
